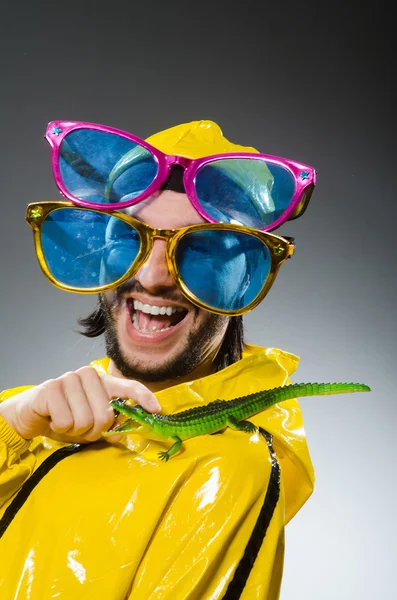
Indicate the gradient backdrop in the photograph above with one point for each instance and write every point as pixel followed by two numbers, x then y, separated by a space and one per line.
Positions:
pixel 309 81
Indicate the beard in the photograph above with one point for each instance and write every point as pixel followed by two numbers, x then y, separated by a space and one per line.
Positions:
pixel 179 365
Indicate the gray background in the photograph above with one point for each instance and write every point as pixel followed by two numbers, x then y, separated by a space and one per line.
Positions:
pixel 299 80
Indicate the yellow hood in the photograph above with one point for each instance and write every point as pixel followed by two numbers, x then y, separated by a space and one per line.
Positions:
pixel 195 140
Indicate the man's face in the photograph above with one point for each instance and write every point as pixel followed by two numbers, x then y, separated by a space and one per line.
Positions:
pixel 153 332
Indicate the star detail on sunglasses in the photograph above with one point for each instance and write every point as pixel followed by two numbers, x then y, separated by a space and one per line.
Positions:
pixel 304 175
pixel 56 130
pixel 279 249
pixel 36 213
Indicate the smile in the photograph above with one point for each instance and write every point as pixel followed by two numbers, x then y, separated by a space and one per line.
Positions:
pixel 152 318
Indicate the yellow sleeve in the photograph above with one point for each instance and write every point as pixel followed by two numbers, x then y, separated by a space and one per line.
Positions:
pixel 16 463
pixel 18 457
pixel 222 535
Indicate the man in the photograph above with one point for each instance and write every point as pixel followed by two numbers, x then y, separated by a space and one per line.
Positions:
pixel 111 521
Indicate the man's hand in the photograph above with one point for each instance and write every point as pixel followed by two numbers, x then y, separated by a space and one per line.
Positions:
pixel 73 408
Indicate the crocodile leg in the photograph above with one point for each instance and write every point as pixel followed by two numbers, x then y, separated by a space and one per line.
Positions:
pixel 129 426
pixel 242 425
pixel 174 448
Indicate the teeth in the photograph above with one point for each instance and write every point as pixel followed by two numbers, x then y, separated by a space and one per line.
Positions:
pixel 156 310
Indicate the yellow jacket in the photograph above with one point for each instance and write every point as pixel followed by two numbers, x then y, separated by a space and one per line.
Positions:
pixel 113 522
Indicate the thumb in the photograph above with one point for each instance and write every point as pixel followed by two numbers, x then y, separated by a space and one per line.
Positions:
pixel 134 390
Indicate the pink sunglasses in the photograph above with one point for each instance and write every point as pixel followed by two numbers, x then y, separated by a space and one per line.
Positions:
pixel 100 167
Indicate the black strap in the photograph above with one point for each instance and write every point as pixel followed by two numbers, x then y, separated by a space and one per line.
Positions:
pixel 33 480
pixel 236 586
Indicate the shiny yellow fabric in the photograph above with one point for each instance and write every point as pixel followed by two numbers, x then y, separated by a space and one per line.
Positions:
pixel 195 140
pixel 113 522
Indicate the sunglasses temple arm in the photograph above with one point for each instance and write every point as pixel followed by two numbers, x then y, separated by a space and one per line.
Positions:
pixel 291 241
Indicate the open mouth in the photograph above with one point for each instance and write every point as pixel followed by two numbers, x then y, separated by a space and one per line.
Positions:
pixel 151 318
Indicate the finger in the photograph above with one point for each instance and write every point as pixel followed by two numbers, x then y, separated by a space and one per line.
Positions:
pixel 128 388
pixel 98 399
pixel 53 402
pixel 83 418
pixel 114 439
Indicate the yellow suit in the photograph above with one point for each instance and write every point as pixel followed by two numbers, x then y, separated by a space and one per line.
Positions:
pixel 113 522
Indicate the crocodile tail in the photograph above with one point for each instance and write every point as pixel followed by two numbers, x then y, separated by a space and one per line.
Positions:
pixel 250 405
pixel 296 390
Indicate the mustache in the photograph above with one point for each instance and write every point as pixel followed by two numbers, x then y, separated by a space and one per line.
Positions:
pixel 132 285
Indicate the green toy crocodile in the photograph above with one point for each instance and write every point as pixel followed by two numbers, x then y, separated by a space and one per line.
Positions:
pixel 219 414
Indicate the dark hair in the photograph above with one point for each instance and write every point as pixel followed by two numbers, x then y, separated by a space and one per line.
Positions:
pixel 230 351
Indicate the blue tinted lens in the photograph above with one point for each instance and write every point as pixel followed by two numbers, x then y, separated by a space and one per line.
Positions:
pixel 223 269
pixel 87 249
pixel 244 191
pixel 101 167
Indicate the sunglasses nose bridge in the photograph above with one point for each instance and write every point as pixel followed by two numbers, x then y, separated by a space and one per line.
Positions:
pixel 161 234
pixel 164 234
pixel 181 161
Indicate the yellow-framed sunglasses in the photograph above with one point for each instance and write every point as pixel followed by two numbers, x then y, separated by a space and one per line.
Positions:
pixel 224 269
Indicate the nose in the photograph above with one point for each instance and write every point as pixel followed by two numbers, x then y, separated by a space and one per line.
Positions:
pixel 154 275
